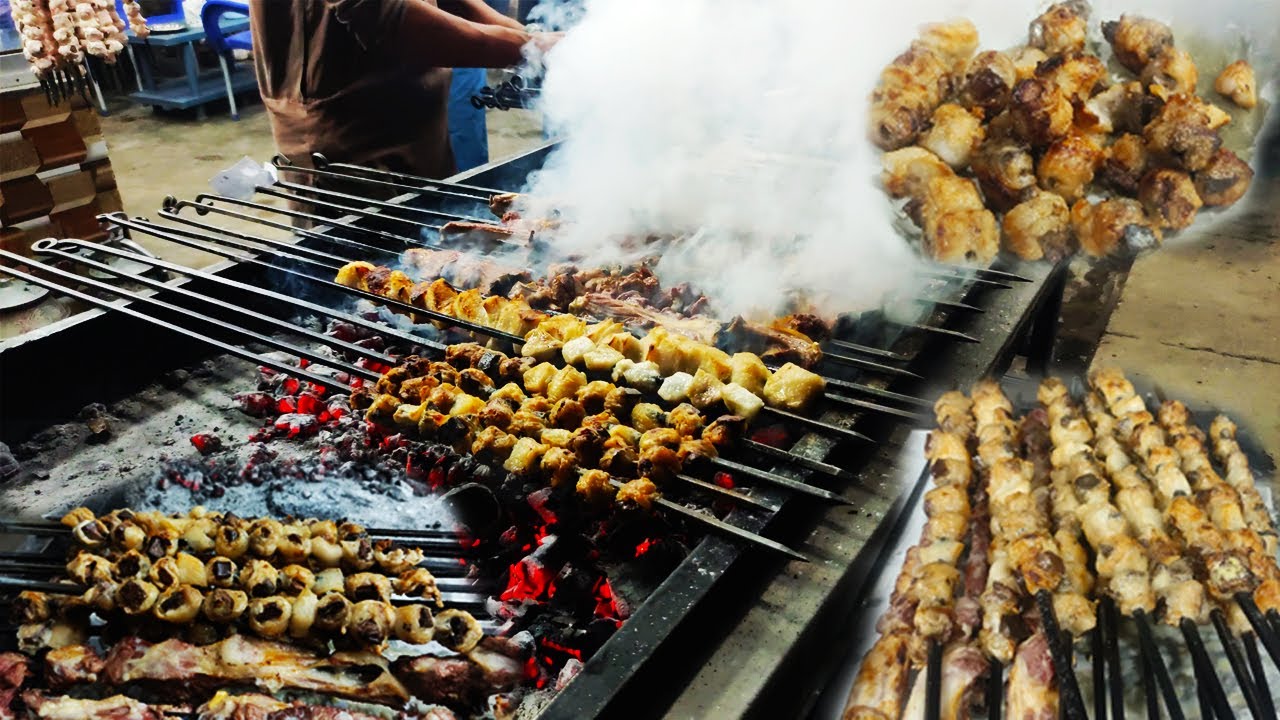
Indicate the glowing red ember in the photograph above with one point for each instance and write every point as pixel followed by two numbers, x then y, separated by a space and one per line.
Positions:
pixel 206 442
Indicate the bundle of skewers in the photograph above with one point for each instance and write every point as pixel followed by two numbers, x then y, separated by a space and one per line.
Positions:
pixel 208 574
pixel 213 600
pixel 1043 533
pixel 57 36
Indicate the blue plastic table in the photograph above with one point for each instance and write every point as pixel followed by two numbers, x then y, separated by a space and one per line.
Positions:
pixel 197 87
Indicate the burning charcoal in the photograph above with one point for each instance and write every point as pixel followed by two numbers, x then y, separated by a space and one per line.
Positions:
pixel 206 443
pixel 255 404
pixel 8 463
pixel 297 424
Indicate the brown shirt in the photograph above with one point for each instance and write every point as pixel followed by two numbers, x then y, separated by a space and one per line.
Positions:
pixel 330 88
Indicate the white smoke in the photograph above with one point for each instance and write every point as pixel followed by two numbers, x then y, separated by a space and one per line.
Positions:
pixel 743 124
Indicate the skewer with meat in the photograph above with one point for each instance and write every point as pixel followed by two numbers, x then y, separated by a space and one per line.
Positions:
pixel 191 672
pixel 1237 510
pixel 605 346
pixel 1007 482
pixel 963 661
pixel 922 609
pixel 551 435
pixel 1052 491
pixel 116 707
pixel 1225 569
pixel 147 545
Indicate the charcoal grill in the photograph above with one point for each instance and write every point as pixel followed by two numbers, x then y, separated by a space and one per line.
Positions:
pixel 729 631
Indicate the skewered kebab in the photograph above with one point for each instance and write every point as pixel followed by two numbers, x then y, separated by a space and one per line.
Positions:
pixel 188 671
pixel 1226 571
pixel 364 618
pixel 222 706
pixel 569 446
pixel 605 346
pixel 961 663
pixel 1023 544
pixel 153 538
pixel 921 609
pixel 116 707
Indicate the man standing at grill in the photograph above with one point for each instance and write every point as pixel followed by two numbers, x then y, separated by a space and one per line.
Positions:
pixel 367 81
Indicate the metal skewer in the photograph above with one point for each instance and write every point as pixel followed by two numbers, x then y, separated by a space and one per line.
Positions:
pixel 933 681
pixel 216 279
pixel 729 493
pixel 779 480
pixel 283 164
pixel 204 201
pixel 1147 639
pixel 913 416
pixel 345 197
pixel 1264 631
pixel 267 340
pixel 1239 667
pixel 236 350
pixel 724 527
pixel 828 427
pixel 276 322
pixel 877 367
pixel 1060 652
pixel 1259 673
pixel 1213 698
pixel 1111 647
pixel 948 275
pixel 167 233
pixel 868 350
pixel 878 392
pixel 1099 667
pixel 344 209
pixel 50 528
pixel 995 691
pixel 953 334
pixel 321 162
pixel 172 205
pixel 799 460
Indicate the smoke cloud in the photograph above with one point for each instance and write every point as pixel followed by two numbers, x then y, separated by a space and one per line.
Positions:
pixel 743 125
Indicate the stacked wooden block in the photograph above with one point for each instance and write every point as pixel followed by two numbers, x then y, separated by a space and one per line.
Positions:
pixel 54 173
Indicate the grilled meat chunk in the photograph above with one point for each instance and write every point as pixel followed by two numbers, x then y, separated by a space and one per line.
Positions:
pixel 1223 180
pixel 1237 81
pixel 1124 164
pixel 1006 172
pixel 1102 228
pixel 1040 112
pixel 1067 167
pixel 1169 197
pixel 1184 133
pixel 1136 40
pixel 988 81
pixel 955 134
pixel 1039 227
pixel 1061 29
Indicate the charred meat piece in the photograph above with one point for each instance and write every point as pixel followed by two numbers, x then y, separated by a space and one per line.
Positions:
pixel 771 344
pixel 116 707
pixel 1041 113
pixel 909 89
pixel 1171 72
pixel 464 233
pixel 1067 167
pixel 1169 197
pixel 1102 228
pixel 1224 179
pixel 1039 227
pixel 1075 76
pixel 1136 40
pixel 988 82
pixel 1184 133
pixel 1061 29
pixel 1124 165
pixel 1006 172
pixel 954 40
pixel 955 135
pixel 908 171
pixel 1123 107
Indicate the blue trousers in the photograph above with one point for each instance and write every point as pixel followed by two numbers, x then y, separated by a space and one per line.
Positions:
pixel 467 131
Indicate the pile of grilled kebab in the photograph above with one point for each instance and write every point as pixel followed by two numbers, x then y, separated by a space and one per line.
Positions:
pixel 181 607
pixel 1015 510
pixel 1009 150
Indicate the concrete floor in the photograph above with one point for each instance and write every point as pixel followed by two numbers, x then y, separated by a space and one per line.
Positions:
pixel 1201 319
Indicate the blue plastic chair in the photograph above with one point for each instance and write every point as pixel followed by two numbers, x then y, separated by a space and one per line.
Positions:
pixel 210 15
